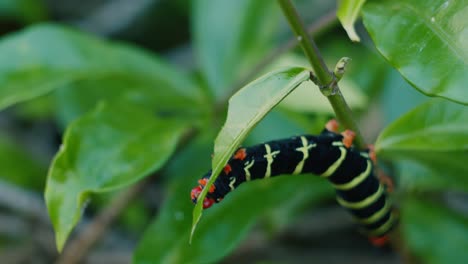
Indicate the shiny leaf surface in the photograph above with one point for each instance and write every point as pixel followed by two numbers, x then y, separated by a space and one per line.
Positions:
pixel 426 41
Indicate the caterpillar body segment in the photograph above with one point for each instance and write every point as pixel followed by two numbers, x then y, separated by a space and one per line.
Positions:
pixel 328 155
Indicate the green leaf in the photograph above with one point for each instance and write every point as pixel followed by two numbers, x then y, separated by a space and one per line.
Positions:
pixel 79 97
pixel 425 41
pixel 44 57
pixel 231 37
pixel 225 224
pixel 433 134
pixel 27 11
pixel 398 97
pixel 106 149
pixel 19 167
pixel 348 12
pixel 416 177
pixel 246 108
pixel 433 233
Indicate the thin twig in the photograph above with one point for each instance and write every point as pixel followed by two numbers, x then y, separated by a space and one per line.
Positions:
pixel 79 247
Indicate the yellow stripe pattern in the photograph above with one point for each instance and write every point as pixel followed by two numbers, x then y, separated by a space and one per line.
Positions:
pixel 336 164
pixel 270 156
pixel 375 216
pixel 357 180
pixel 247 167
pixel 383 228
pixel 364 203
pixel 305 154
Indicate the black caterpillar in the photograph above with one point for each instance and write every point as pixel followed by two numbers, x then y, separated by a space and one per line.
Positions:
pixel 349 170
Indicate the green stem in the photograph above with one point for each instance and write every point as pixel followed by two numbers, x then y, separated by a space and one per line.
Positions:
pixel 324 78
pixel 307 44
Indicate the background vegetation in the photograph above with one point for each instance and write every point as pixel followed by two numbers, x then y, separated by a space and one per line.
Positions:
pixel 110 110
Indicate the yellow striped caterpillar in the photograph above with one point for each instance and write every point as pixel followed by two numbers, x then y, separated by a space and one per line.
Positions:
pixel 329 155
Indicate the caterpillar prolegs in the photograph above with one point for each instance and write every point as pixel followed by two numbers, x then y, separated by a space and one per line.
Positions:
pixel 329 155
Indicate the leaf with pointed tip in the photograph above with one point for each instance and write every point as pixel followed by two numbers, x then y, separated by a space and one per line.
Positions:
pixel 425 41
pixel 246 108
pixel 348 12
pixel 111 147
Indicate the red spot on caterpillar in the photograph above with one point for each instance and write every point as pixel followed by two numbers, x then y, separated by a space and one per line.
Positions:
pixel 241 154
pixel 195 193
pixel 348 137
pixel 203 182
pixel 332 125
pixel 379 241
pixel 227 169
pixel 207 202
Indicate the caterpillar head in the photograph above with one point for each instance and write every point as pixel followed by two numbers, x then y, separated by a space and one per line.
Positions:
pixel 207 202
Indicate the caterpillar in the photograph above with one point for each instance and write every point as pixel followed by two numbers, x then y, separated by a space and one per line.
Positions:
pixel 329 155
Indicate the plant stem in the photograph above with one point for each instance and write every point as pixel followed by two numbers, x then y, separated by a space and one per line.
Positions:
pixel 307 44
pixel 324 78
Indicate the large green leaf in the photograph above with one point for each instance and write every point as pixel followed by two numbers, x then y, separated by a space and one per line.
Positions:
pixel 20 167
pixel 44 57
pixel 433 134
pixel 348 12
pixel 225 224
pixel 78 97
pixel 246 108
pixel 425 41
pixel 231 37
pixel 433 233
pixel 106 149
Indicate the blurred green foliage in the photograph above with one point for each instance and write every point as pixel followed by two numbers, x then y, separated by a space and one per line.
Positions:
pixel 125 110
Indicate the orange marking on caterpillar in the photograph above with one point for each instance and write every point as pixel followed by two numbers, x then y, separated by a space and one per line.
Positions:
pixel 372 154
pixel 385 180
pixel 207 202
pixel 203 182
pixel 332 125
pixel 379 241
pixel 227 169
pixel 348 137
pixel 241 154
